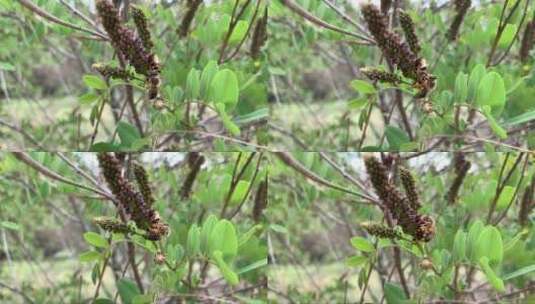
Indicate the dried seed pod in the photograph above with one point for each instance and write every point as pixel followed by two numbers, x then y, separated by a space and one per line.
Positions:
pixel 398 52
pixel 261 200
pixel 427 264
pixel 143 184
pixel 527 204
pixel 408 29
pixel 407 180
pixel 113 225
pixel 259 35
pixel 528 39
pixel 461 169
pixel 109 71
pixel 378 75
pixel 193 6
pixel 461 8
pixel 382 231
pixel 140 20
pixel 195 161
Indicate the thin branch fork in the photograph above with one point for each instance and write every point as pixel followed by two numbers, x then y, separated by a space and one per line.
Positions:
pixel 37 10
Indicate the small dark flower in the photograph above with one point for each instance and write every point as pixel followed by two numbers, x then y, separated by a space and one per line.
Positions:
pixel 382 231
pixel 408 29
pixel 113 225
pixel 381 75
pixel 109 71
pixel 407 180
pixel 142 28
pixel 143 184
pixel 527 204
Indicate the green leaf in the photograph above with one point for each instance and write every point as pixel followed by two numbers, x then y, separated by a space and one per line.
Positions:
pixel 491 92
pixel 473 81
pixel 358 103
pixel 493 279
pixel 208 73
pixel 279 228
pixel 461 88
pixel 193 84
pixel 489 244
pixel 363 87
pixel 394 294
pixel 89 256
pixel 88 98
pixel 505 197
pixel 227 122
pixel 520 119
pixel 127 133
pixel 127 290
pixel 239 32
pixel 396 137
pixel 193 244
pixel 260 263
pixel 103 301
pixel 459 246
pixel 356 260
pixel 206 231
pixel 230 276
pixel 94 82
pixel 520 272
pixel 239 192
pixel 223 238
pixel 95 239
pixel 10 225
pixel 262 113
pixel 104 147
pixel 496 128
pixel 473 235
pixel 362 244
pixel 508 35
pixel 224 88
pixel 6 66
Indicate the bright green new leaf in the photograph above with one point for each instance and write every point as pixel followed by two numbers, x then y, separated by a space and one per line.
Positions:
pixel 88 98
pixel 493 279
pixel 473 81
pixel 223 238
pixel 473 235
pixel 95 239
pixel 505 197
pixel 193 84
pixel 193 244
pixel 490 244
pixel 9 225
pixel 459 246
pixel 491 92
pixel 230 276
pixel 356 260
pixel 224 88
pixel 362 244
pixel 94 82
pixel 363 87
pixel 496 128
pixel 239 192
pixel 208 73
pixel 206 231
pixel 519 272
pixel 461 88
pixel 89 256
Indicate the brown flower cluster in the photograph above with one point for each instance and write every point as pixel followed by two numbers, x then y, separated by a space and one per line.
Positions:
pixel 528 39
pixel 407 25
pixel 407 180
pixel 378 75
pixel 140 20
pixel 397 52
pixel 143 183
pixel 420 227
pixel 130 200
pixel 113 225
pixel 259 35
pixel 131 46
pixel 109 71
pixel 461 8
pixel 382 231
pixel 461 169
